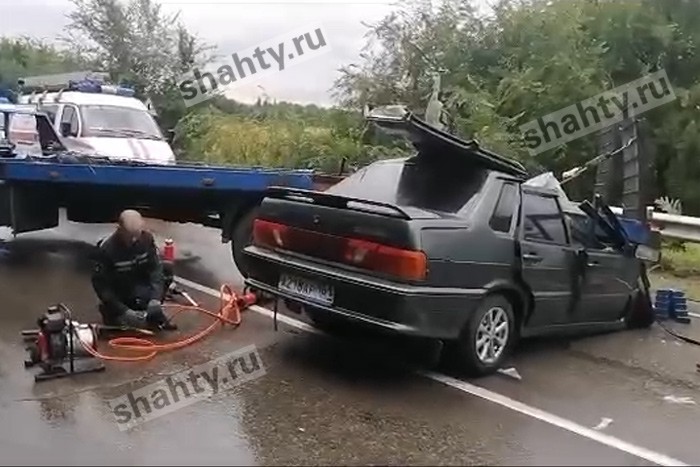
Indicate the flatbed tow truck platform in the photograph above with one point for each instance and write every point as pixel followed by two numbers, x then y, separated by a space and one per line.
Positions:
pixel 40 174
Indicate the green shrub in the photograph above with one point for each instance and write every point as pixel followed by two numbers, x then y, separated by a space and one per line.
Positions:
pixel 215 137
pixel 682 262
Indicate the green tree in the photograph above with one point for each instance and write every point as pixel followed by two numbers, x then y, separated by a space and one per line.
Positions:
pixel 139 44
pixel 528 58
pixel 26 56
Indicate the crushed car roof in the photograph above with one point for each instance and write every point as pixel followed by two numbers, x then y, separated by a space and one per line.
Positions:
pixel 398 120
pixel 548 181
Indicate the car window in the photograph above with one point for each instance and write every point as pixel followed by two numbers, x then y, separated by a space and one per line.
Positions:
pixel 24 133
pixel 119 122
pixel 23 129
pixel 70 116
pixel 579 228
pixel 543 221
pixel 584 233
pixel 416 182
pixel 48 136
pixel 50 110
pixel 503 213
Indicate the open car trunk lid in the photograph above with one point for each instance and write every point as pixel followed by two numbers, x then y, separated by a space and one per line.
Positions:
pixel 437 144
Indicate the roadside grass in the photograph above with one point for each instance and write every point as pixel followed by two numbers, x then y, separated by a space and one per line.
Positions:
pixel 679 268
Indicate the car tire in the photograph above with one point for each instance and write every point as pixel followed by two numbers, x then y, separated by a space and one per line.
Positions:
pixel 640 313
pixel 242 237
pixel 483 345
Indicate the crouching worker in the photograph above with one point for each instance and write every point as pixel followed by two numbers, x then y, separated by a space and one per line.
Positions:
pixel 128 277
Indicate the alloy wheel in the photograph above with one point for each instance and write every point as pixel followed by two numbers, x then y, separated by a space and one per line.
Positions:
pixel 492 335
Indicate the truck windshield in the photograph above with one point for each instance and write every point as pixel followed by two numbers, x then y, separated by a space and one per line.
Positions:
pixel 416 182
pixel 119 122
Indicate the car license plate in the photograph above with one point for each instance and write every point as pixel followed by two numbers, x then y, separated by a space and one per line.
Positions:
pixel 308 289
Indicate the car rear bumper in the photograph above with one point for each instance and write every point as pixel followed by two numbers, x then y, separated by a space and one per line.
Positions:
pixel 431 312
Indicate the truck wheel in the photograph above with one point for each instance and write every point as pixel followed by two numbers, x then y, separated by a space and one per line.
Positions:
pixel 640 313
pixel 486 340
pixel 242 237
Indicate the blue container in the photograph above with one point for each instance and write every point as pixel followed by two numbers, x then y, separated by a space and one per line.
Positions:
pixel 86 85
pixel 671 303
pixel 663 303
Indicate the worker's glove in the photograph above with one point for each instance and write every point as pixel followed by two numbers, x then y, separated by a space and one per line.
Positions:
pixel 155 314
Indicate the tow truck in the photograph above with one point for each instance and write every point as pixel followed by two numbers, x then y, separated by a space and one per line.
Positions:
pixel 42 172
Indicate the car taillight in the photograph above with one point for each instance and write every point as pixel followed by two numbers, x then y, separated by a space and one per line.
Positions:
pixel 270 234
pixel 406 264
pixel 397 262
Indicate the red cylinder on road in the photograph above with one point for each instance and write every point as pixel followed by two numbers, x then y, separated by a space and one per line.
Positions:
pixel 169 250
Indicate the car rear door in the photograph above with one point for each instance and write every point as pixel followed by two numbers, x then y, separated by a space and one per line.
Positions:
pixel 547 259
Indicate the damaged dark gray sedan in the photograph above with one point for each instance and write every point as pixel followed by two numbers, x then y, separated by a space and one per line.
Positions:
pixel 451 244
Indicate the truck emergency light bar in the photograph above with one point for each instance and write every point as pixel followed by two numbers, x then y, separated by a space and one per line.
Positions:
pixel 82 81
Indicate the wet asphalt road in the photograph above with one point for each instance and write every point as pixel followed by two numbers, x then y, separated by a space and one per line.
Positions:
pixel 324 400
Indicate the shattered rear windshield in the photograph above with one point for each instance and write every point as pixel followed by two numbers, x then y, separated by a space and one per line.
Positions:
pixel 416 182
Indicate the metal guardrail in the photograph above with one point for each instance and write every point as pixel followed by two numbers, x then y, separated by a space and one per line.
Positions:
pixel 673 226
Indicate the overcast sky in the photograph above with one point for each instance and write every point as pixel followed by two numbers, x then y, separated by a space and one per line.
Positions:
pixel 236 25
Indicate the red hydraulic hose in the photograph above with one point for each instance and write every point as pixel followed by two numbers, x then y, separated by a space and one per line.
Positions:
pixel 229 313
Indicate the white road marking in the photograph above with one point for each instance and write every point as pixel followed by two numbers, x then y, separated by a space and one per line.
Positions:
pixel 694 315
pixel 494 397
pixel 604 423
pixel 568 425
pixel 679 400
pixel 511 372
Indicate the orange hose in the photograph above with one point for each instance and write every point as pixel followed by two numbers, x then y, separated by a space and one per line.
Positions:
pixel 229 313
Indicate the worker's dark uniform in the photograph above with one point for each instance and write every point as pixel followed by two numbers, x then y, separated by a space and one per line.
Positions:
pixel 126 278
